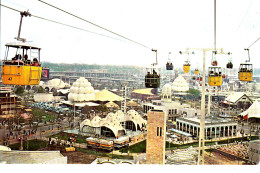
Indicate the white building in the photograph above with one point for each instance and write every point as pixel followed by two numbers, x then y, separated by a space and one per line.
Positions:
pixel 215 127
pixel 114 124
pixel 171 108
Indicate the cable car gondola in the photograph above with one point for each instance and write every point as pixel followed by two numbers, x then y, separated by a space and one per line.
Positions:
pixel 230 64
pixel 197 71
pixel 169 65
pixel 152 78
pixel 215 76
pixel 246 70
pixel 214 73
pixel 24 68
pixel 186 66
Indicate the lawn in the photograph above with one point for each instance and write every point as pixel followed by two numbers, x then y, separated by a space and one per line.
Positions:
pixel 31 145
pixel 104 154
pixel 65 136
pixel 141 147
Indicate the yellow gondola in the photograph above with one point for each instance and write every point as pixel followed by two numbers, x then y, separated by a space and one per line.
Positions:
pixel 186 67
pixel 215 76
pixel 21 69
pixel 245 72
pixel 197 71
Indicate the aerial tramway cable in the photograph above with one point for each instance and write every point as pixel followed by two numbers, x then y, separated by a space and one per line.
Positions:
pixel 49 20
pixel 254 43
pixel 95 25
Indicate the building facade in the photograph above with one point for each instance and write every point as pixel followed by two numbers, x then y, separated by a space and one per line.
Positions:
pixel 8 103
pixel 156 130
pixel 214 127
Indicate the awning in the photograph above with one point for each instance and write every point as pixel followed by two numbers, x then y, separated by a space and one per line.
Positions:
pixel 180 132
pixel 173 136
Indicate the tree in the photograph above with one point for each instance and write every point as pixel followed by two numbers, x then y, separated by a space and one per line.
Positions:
pixel 40 90
pixel 194 92
pixel 19 90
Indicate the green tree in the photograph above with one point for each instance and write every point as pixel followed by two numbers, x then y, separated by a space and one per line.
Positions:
pixel 40 90
pixel 19 90
pixel 194 92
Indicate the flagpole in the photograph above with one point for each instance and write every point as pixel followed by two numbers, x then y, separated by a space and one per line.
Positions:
pixel 74 117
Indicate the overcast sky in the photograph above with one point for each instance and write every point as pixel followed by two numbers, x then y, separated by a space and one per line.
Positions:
pixel 166 25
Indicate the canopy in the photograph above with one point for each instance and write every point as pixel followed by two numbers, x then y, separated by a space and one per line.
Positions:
pixel 252 112
pixel 22 45
pixel 180 132
pixel 105 95
pixel 146 91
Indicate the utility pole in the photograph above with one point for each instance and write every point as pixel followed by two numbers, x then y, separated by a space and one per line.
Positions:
pixel 203 111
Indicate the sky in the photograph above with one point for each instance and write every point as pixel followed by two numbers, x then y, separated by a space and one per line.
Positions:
pixel 165 25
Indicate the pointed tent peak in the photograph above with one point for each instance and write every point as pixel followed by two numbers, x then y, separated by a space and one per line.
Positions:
pixel 254 110
pixel 146 91
pixel 105 95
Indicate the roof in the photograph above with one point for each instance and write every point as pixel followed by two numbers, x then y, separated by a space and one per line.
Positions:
pixel 4 148
pixel 131 103
pixel 234 97
pixel 180 132
pixel 22 44
pixel 253 111
pixel 113 121
pixel 146 91
pixel 30 157
pixel 81 104
pixel 111 105
pixel 105 95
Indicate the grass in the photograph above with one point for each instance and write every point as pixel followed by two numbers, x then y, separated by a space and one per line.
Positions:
pixel 33 145
pixel 65 136
pixel 141 147
pixel 103 154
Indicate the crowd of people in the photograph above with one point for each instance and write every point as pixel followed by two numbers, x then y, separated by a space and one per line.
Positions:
pixel 237 149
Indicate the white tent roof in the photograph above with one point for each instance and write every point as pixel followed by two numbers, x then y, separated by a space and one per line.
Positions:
pixel 253 111
pixel 234 97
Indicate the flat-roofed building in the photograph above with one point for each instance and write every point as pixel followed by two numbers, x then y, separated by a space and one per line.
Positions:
pixel 215 127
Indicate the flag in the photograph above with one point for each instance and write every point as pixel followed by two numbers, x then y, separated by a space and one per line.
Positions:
pixel 245 117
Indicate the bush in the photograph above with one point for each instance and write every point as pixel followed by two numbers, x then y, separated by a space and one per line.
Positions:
pixel 19 90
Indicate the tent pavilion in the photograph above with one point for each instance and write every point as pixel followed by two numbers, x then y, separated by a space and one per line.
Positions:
pixel 105 96
pixel 111 105
pixel 252 112
pixel 114 124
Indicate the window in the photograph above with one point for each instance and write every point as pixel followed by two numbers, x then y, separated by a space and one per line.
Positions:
pixel 159 131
